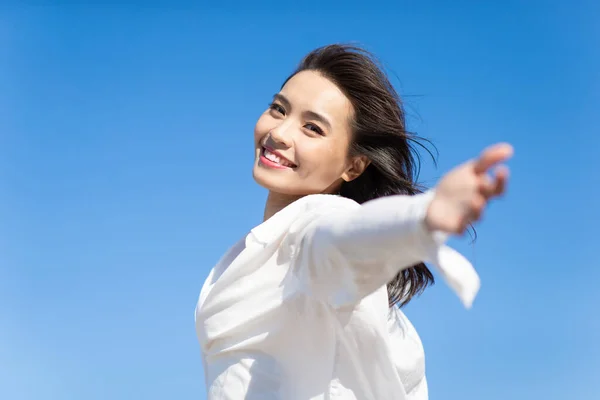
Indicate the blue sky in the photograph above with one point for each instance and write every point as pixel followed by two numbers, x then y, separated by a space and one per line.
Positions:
pixel 126 151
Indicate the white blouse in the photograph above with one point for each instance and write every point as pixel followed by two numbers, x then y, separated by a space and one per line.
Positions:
pixel 298 309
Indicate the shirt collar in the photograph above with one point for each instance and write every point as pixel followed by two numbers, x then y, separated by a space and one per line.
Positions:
pixel 280 222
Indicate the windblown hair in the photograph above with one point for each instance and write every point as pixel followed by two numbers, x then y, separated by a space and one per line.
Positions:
pixel 379 133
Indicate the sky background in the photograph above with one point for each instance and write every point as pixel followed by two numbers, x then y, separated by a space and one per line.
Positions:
pixel 125 172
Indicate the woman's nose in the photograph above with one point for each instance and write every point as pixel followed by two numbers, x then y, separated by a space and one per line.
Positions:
pixel 282 134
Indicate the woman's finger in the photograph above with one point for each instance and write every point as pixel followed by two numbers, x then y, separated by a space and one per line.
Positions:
pixel 474 209
pixel 487 186
pixel 492 156
pixel 501 174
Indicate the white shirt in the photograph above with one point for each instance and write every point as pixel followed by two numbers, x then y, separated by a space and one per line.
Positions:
pixel 298 309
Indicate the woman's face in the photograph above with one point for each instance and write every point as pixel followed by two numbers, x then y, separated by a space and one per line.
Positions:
pixel 302 139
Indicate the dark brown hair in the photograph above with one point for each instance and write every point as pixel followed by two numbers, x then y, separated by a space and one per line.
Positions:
pixel 380 134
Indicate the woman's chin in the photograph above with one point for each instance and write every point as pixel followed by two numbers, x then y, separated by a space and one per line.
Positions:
pixel 275 184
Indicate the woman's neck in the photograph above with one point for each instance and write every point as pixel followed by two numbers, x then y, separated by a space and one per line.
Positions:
pixel 277 202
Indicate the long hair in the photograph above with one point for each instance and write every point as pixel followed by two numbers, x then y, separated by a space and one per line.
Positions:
pixel 379 133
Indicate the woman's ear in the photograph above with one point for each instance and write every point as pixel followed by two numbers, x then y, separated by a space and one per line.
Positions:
pixel 357 166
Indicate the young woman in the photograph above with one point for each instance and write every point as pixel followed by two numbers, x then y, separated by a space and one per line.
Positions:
pixel 306 305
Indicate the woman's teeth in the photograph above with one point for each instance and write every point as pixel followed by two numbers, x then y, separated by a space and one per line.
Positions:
pixel 276 159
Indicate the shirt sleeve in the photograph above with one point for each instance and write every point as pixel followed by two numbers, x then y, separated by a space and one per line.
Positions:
pixel 348 253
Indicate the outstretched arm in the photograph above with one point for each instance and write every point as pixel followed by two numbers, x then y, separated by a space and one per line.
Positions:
pixel 348 254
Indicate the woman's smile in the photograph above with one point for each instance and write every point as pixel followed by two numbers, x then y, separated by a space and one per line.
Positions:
pixel 272 159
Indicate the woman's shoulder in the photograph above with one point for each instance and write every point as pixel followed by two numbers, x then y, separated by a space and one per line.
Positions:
pixel 299 215
pixel 311 209
pixel 328 202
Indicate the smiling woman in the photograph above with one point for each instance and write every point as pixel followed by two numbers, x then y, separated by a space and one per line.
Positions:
pixel 307 127
pixel 305 305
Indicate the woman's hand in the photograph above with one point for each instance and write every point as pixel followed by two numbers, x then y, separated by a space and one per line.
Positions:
pixel 463 193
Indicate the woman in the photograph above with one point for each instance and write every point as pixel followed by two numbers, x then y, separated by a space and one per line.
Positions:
pixel 305 305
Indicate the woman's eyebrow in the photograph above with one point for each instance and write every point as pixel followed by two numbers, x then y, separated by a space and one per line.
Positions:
pixel 307 114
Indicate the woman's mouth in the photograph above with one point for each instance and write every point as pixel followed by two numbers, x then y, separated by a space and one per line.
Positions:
pixel 272 159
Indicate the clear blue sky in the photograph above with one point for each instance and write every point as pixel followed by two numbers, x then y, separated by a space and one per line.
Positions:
pixel 125 172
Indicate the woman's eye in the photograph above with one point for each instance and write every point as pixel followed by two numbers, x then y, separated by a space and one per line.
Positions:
pixel 277 108
pixel 314 128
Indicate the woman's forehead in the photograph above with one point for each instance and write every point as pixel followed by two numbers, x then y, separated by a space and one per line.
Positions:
pixel 311 91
